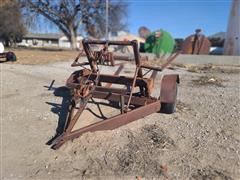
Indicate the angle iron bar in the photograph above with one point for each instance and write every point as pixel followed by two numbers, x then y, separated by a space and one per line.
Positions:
pixel 133 85
pixel 169 60
pixel 135 100
pixel 111 123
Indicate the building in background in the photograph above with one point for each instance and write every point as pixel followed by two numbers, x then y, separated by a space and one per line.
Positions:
pixel 48 40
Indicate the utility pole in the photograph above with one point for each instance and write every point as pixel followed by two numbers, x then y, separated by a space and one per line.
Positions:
pixel 107 20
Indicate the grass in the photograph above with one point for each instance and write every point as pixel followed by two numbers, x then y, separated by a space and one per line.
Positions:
pixel 43 56
pixel 209 68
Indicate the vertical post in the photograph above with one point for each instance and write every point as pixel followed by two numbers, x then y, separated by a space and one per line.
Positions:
pixel 132 88
pixel 122 103
pixel 107 20
pixel 89 54
pixel 137 57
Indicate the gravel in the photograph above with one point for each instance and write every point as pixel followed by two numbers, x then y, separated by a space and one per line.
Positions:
pixel 200 141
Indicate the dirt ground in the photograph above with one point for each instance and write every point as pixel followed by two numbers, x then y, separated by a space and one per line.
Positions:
pixel 200 141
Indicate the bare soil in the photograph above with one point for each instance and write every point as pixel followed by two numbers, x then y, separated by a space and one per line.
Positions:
pixel 200 141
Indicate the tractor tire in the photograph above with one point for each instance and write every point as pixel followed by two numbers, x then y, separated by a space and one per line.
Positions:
pixel 169 108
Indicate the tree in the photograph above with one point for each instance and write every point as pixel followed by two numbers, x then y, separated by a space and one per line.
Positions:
pixel 3 2
pixel 72 15
pixel 11 26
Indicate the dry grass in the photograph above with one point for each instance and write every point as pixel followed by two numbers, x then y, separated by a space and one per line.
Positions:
pixel 208 80
pixel 182 107
pixel 159 62
pixel 209 68
pixel 45 56
pixel 37 56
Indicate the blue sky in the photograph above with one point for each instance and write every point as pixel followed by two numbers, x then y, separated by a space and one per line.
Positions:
pixel 179 17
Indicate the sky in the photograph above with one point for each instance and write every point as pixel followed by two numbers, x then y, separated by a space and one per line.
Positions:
pixel 179 17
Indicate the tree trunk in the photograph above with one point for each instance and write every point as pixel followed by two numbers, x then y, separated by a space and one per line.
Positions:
pixel 72 38
pixel 7 43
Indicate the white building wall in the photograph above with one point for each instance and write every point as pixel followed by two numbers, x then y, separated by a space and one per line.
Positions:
pixel 64 43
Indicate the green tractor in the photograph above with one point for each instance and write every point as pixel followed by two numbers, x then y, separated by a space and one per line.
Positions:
pixel 159 42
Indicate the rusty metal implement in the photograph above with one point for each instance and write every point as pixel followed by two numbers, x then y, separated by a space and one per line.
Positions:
pixel 135 102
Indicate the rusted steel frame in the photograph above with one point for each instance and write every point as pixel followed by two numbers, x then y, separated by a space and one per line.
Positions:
pixel 73 82
pixel 81 53
pixel 74 64
pixel 110 123
pixel 150 81
pixel 122 103
pixel 111 90
pixel 104 57
pixel 137 58
pixel 135 100
pixel 133 85
pixel 133 43
pixel 123 58
pixel 119 79
pixel 119 57
pixel 169 60
pixel 69 116
pixel 90 56
pixel 153 75
pixel 72 120
pixel 105 89
pixel 116 73
pixel 151 67
pixel 126 43
pixel 147 72
pixel 81 72
pixel 142 83
pixel 127 58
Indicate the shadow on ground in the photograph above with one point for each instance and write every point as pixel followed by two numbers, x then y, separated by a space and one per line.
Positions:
pixel 60 109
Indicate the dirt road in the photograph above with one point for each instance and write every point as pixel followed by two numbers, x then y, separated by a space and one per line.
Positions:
pixel 200 141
